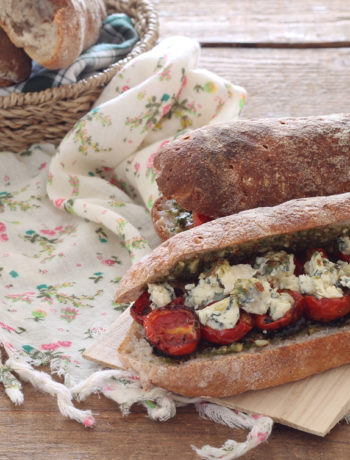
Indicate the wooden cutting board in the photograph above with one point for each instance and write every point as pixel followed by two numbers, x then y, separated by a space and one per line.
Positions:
pixel 314 404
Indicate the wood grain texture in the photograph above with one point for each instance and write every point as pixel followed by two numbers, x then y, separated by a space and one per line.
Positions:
pixel 252 22
pixel 285 82
pixel 315 404
pixel 36 431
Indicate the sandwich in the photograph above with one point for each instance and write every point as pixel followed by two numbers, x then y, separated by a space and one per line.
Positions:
pixel 225 168
pixel 244 302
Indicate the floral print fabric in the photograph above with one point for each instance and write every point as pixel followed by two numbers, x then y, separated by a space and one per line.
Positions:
pixel 73 219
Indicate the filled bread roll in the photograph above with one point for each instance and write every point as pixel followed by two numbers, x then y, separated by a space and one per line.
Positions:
pixel 204 323
pixel 52 32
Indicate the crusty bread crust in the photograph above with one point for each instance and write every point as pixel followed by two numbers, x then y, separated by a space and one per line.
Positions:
pixel 227 375
pixel 299 222
pixel 53 33
pixel 15 65
pixel 224 168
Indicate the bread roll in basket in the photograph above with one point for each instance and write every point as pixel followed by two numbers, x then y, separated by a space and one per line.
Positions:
pixel 46 116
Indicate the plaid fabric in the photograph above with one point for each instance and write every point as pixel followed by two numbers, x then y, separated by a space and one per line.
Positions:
pixel 117 38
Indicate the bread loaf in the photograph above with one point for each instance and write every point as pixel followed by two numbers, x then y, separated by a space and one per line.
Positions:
pixel 15 64
pixel 52 32
pixel 225 168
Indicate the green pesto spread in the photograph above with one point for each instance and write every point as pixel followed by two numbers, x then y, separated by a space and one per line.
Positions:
pixel 319 237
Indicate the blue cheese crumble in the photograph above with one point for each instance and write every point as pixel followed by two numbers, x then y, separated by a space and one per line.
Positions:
pixel 257 296
pixel 161 294
pixel 253 295
pixel 216 283
pixel 321 278
pixel 220 315
pixel 280 303
pixel 278 268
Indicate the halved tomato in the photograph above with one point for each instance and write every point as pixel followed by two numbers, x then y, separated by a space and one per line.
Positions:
pixel 141 307
pixel 174 330
pixel 344 257
pixel 324 309
pixel 266 323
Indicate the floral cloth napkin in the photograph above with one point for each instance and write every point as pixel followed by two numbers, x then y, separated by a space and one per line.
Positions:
pixel 73 219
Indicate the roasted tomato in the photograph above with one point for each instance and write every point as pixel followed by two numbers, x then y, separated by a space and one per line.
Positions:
pixel 344 257
pixel 174 330
pixel 266 323
pixel 324 309
pixel 141 307
pixel 227 336
pixel 199 219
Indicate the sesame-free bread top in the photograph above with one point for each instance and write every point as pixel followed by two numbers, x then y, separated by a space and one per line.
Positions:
pixel 224 168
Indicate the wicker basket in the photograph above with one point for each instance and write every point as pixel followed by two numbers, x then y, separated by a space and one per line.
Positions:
pixel 46 116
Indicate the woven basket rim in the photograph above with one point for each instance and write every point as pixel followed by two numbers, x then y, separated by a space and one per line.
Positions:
pixel 68 91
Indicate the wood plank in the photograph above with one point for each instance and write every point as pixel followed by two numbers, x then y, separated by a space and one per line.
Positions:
pixel 257 21
pixel 285 82
pixel 315 404
pixel 104 350
pixel 37 431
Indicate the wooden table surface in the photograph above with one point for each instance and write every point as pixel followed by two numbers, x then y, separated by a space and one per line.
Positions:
pixel 293 57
